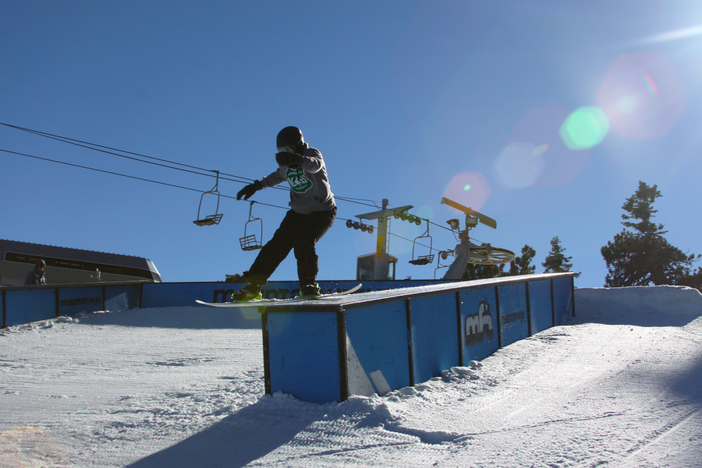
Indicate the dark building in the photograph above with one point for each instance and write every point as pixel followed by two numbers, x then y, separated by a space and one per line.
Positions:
pixel 67 266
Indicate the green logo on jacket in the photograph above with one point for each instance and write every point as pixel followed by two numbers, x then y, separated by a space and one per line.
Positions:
pixel 297 180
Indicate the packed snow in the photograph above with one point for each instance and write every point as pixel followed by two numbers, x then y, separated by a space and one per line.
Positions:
pixel 619 385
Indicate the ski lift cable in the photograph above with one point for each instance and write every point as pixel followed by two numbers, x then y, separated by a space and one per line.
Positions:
pixel 134 157
pixel 162 163
pixel 431 249
pixel 169 185
pixel 133 177
pixel 100 170
pixel 112 151
pixel 180 186
pixel 94 146
pixel 359 201
pixel 438 225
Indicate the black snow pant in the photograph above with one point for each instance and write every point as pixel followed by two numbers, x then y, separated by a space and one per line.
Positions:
pixel 299 232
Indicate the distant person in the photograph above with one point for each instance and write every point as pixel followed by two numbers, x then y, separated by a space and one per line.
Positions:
pixel 313 211
pixel 36 276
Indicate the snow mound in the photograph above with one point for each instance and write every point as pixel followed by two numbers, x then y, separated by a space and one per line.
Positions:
pixel 639 300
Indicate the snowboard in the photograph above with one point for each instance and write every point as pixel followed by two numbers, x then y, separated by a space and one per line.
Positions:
pixel 268 302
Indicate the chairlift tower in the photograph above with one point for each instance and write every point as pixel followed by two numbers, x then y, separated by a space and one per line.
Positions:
pixel 467 252
pixel 382 260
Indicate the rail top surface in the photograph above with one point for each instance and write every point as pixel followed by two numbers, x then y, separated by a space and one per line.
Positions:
pixel 363 299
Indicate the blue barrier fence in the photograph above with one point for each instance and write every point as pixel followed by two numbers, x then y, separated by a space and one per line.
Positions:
pixel 24 304
pixel 32 303
pixel 361 344
pixel 390 336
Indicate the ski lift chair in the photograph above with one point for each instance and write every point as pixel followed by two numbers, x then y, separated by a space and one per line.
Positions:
pixel 423 259
pixel 210 220
pixel 249 241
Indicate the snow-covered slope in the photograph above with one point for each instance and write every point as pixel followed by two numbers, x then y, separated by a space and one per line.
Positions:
pixel 621 385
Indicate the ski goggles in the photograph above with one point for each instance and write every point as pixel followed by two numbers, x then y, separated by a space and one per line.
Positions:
pixel 287 149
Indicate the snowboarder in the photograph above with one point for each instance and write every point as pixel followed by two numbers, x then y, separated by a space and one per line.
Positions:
pixel 312 213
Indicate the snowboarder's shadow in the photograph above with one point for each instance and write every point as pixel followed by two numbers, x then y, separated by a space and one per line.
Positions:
pixel 237 440
pixel 190 317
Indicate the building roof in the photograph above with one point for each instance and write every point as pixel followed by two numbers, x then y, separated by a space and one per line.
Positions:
pixel 68 264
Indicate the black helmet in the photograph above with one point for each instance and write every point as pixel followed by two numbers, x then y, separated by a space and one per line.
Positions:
pixel 290 137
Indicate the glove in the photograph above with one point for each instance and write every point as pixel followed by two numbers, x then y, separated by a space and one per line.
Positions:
pixel 249 190
pixel 288 159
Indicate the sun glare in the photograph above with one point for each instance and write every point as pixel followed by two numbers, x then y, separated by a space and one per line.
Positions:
pixel 536 155
pixel 671 35
pixel 642 95
pixel 584 128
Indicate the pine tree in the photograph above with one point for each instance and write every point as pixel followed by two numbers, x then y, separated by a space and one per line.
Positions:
pixel 556 261
pixel 694 280
pixel 522 265
pixel 641 255
pixel 477 271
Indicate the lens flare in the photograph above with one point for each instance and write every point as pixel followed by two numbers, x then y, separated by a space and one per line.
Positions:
pixel 517 167
pixel 31 446
pixel 651 85
pixel 584 128
pixel 535 154
pixel 469 189
pixel 670 36
pixel 424 212
pixel 642 95
pixel 541 149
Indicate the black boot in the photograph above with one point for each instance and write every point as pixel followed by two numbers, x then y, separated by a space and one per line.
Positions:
pixel 310 290
pixel 250 292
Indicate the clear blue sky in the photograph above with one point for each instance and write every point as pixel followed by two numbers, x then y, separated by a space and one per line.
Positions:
pixel 406 100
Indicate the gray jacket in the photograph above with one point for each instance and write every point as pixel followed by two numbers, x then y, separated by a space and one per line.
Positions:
pixel 309 185
pixel 35 277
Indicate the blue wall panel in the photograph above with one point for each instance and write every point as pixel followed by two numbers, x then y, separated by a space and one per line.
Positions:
pixel 434 335
pixel 377 349
pixel 478 323
pixel 122 297
pixel 30 305
pixel 76 300
pixel 540 305
pixel 304 355
pixel 513 313
pixel 178 294
pixel 563 298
